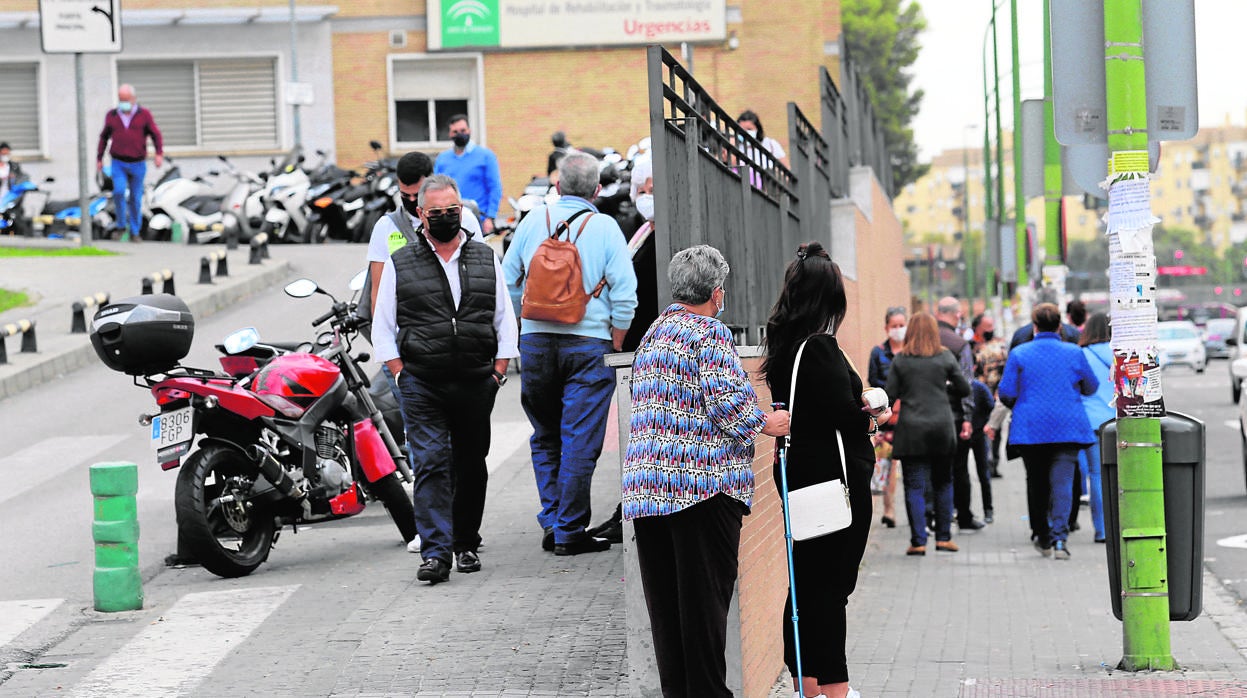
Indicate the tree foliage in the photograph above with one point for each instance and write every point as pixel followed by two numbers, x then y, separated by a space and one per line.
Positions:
pixel 883 43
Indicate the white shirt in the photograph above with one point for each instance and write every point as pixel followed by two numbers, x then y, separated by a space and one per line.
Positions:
pixel 385 315
pixel 379 246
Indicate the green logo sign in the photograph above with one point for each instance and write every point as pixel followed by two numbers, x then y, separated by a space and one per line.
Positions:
pixel 469 23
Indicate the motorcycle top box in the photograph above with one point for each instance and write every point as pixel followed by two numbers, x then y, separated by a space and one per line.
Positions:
pixel 143 335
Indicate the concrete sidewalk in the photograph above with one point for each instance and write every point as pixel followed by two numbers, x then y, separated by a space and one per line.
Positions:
pixel 997 619
pixel 55 283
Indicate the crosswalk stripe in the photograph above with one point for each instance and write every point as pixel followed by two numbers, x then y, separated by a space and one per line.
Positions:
pixel 172 655
pixel 504 440
pixel 18 616
pixel 36 464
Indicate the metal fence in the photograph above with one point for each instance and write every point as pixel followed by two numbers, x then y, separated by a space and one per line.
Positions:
pixel 866 145
pixel 714 184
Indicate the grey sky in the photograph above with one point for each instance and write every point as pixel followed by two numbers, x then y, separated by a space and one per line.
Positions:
pixel 949 68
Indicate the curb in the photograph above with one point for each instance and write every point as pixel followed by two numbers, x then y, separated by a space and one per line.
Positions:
pixel 46 367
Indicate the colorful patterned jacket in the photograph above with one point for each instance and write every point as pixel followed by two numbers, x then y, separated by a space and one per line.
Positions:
pixel 695 417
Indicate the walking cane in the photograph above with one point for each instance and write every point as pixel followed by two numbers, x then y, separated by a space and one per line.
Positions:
pixel 792 577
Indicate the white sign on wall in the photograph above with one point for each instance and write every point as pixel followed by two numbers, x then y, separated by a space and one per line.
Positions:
pixel 504 24
pixel 80 26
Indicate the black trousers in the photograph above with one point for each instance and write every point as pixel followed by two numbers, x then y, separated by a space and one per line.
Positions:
pixel 826 572
pixel 688 569
pixel 961 480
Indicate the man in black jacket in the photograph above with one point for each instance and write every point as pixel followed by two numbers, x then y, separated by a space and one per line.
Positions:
pixel 445 327
pixel 948 313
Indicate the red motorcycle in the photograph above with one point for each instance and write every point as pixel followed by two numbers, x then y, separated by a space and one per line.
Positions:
pixel 290 434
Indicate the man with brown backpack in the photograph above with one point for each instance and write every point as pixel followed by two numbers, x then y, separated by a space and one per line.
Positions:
pixel 570 275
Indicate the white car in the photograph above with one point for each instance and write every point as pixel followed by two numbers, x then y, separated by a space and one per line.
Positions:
pixel 1180 343
pixel 1237 341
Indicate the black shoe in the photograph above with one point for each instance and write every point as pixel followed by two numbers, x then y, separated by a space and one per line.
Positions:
pixel 588 544
pixel 996 473
pixel 433 571
pixel 547 540
pixel 970 525
pixel 1074 526
pixel 888 521
pixel 1045 550
pixel 989 516
pixel 609 530
pixel 467 561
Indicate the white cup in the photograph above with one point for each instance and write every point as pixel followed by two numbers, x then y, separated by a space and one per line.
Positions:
pixel 875 398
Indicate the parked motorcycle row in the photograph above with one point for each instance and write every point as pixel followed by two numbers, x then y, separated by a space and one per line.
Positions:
pixel 291 202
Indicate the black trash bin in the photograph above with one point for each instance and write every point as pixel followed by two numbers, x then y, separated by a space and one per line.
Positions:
pixel 1183 454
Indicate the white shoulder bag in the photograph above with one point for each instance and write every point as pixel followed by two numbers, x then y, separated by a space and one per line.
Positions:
pixel 823 508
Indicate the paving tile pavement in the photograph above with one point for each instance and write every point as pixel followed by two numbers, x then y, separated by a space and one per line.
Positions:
pixel 997 619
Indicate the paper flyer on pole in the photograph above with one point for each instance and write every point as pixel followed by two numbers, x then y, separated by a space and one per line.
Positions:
pixel 1137 372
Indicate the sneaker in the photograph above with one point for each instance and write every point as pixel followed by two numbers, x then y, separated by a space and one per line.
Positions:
pixel 467 561
pixel 946 546
pixel 1059 551
pixel 433 571
pixel 414 545
pixel 1044 550
pixel 588 544
pixel 970 525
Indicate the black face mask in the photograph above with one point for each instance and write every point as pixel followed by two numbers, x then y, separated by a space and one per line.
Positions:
pixel 443 228
pixel 461 139
pixel 987 336
pixel 412 207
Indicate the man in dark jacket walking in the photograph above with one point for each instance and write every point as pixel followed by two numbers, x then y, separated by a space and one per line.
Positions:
pixel 948 313
pixel 128 126
pixel 445 327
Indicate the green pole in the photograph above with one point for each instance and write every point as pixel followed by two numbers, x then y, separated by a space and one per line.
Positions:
pixel 1141 495
pixel 117 583
pixel 1000 143
pixel 1052 184
pixel 1019 200
pixel 989 286
pixel 966 258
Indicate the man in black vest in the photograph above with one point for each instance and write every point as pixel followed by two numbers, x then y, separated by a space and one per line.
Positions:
pixel 948 313
pixel 444 325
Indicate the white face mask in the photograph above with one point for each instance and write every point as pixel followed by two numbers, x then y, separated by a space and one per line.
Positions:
pixel 897 334
pixel 752 132
pixel 4 159
pixel 645 206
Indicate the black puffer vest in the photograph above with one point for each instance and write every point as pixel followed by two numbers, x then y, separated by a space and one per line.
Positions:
pixel 435 340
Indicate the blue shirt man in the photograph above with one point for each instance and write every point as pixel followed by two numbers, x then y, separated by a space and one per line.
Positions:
pixel 474 168
pixel 566 387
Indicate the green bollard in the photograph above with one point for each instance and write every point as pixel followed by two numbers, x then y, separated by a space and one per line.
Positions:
pixel 118 586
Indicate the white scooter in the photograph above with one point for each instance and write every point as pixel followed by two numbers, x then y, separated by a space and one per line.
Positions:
pixel 188 204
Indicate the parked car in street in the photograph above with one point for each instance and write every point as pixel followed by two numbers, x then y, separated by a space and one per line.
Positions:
pixel 1242 410
pixel 1238 370
pixel 1216 331
pixel 1180 343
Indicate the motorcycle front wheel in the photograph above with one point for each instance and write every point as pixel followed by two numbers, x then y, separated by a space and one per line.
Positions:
pixel 389 490
pixel 226 531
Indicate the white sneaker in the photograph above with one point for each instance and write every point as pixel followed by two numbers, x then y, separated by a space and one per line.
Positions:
pixel 853 693
pixel 414 545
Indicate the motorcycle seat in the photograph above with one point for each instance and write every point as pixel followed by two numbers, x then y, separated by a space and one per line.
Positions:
pixel 203 205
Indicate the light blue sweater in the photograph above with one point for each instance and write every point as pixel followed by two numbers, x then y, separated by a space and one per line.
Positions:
pixel 603 252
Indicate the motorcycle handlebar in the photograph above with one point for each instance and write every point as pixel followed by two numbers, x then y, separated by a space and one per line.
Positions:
pixel 324 317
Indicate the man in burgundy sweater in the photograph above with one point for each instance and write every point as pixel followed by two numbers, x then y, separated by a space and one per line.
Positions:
pixel 128 126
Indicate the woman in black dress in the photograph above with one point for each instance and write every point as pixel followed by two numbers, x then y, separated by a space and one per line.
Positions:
pixel 811 307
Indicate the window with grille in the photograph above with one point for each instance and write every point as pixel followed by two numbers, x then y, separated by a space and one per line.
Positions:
pixel 425 93
pixel 19 107
pixel 212 104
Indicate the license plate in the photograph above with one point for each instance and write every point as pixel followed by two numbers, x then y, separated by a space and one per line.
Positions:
pixel 172 432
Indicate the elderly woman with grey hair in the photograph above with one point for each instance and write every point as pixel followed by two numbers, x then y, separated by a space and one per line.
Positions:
pixel 687 473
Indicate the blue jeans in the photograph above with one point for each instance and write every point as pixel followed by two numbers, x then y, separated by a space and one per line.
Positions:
pixel 128 180
pixel 448 433
pixel 919 475
pixel 566 390
pixel 1089 468
pixel 1049 489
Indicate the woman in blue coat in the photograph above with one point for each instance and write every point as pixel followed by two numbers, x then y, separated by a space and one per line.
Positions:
pixel 1044 381
pixel 1095 347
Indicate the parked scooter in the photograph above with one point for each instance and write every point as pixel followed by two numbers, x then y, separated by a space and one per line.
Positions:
pixel 187 203
pixel 288 437
pixel 13 220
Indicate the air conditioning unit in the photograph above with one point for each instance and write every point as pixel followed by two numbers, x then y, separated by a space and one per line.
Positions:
pixel 398 38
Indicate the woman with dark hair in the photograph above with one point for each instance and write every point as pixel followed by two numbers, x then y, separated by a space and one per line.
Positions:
pixel 1043 382
pixel 1095 347
pixel 809 311
pixel 749 121
pixel 881 358
pixel 924 376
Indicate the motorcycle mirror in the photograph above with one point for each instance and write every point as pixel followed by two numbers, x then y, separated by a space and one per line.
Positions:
pixel 222 158
pixel 242 340
pixel 320 152
pixel 301 288
pixel 357 282
pixel 375 145
pixel 49 180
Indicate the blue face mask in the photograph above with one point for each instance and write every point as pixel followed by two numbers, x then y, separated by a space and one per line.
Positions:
pixel 722 305
pixel 125 107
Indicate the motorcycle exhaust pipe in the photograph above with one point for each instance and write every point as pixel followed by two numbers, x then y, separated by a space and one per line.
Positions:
pixel 274 473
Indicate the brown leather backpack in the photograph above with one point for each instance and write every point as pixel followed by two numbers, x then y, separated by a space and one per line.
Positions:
pixel 555 289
